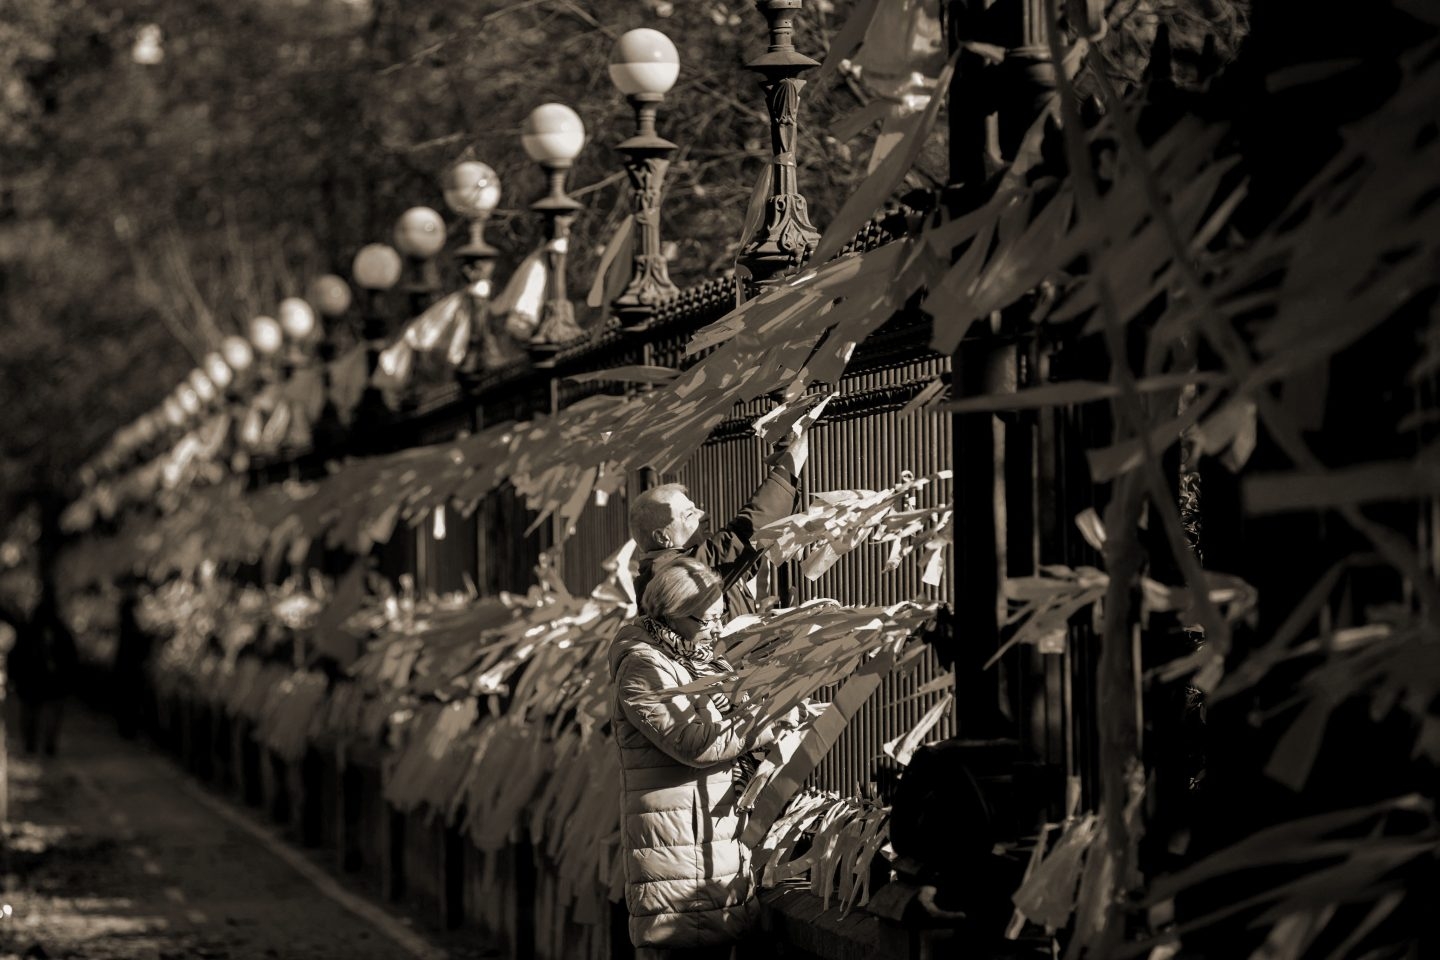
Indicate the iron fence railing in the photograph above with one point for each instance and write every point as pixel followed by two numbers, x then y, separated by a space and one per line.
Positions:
pixel 1033 711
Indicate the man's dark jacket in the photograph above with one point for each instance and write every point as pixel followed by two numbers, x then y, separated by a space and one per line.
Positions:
pixel 728 551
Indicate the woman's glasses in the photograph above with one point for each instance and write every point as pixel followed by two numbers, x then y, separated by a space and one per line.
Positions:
pixel 716 623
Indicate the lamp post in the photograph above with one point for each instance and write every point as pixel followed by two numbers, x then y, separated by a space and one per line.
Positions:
pixel 147 429
pixel 330 296
pixel 643 66
pixel 786 236
pixel 218 371
pixel 266 336
pixel 204 391
pixel 208 396
pixel 376 268
pixel 1031 75
pixel 553 136
pixel 174 415
pixel 189 401
pixel 301 328
pixel 472 190
pixel 419 235
pixel 238 357
pixel 203 387
pixel 297 321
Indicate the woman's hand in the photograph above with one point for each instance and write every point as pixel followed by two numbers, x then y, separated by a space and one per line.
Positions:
pixel 796 718
pixel 803 712
pixel 793 719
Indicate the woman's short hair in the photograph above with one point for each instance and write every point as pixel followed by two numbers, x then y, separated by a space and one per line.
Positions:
pixel 682 587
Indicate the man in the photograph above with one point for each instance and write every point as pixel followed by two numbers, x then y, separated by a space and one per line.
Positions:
pixel 665 523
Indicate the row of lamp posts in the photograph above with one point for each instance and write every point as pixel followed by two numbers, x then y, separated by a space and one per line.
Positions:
pixel 644 66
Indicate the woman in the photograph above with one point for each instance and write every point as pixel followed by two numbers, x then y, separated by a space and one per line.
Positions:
pixel 684 759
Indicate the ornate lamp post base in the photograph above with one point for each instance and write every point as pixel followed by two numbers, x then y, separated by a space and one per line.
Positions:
pixel 477 260
pixel 784 242
pixel 647 158
pixel 552 136
pixel 472 189
pixel 557 324
pixel 786 237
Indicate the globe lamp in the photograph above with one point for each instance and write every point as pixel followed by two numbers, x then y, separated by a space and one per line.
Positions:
pixel 266 335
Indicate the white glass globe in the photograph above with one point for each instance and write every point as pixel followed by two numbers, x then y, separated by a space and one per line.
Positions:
pixel 238 354
pixel 420 232
pixel 297 319
pixel 552 133
pixel 189 402
pixel 472 189
pixel 204 389
pixel 644 61
pixel 376 267
pixel 266 335
pixel 329 294
pixel 218 370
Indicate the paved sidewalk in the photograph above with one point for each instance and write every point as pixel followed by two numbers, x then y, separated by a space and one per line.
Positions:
pixel 113 852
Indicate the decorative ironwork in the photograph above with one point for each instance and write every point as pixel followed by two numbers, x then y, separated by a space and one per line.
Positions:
pixel 1031 81
pixel 647 158
pixel 786 236
pixel 489 348
pixel 420 284
pixel 557 316
pixel 371 410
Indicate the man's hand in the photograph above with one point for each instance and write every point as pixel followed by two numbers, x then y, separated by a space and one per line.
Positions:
pixel 796 453
pixel 793 449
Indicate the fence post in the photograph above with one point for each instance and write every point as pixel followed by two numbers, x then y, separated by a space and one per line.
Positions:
pixel 976 583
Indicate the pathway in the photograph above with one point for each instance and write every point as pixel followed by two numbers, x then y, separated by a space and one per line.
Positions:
pixel 113 852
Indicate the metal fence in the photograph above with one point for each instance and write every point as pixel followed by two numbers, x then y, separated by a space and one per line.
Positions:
pixel 865 440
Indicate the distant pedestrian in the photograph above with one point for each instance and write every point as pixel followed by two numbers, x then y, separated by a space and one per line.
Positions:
pixel 42 672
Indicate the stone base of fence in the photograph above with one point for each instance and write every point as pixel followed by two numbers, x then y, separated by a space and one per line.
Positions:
pixel 332 800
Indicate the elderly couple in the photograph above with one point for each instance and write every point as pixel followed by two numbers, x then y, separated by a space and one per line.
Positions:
pixel 686 759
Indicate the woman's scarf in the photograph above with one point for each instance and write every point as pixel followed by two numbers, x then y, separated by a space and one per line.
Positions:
pixel 692 652
pixel 698 656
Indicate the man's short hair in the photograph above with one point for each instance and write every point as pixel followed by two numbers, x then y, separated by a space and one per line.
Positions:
pixel 651 511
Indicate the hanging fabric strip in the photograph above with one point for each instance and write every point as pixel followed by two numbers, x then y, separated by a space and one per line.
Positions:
pixel 433 327
pixel 519 303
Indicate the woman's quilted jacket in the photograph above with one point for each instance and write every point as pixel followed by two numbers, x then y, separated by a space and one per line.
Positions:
pixel 687 876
